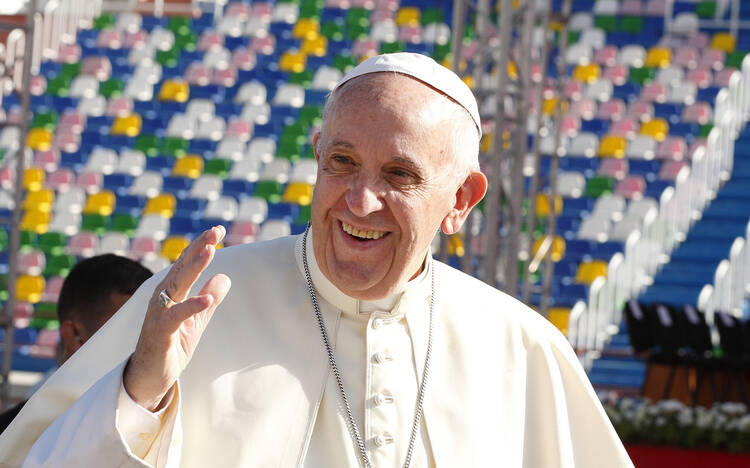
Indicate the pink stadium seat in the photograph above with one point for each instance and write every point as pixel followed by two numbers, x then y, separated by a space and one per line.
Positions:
pixel 119 106
pixel 37 85
pixel 617 74
pixel 570 125
pixel 673 148
pixel 261 10
pixel 721 77
pixel 670 169
pixel 613 167
pixel 631 8
pixel 60 180
pixel 48 338
pixel 640 110
pixel 109 39
pixel 631 187
pixel 654 92
pixel 699 113
pixel 136 39
pixel 226 77
pixel 7 177
pixel 240 129
pixel 713 59
pixel 69 53
pixel 654 8
pixel 701 76
pixel 32 263
pixel 698 40
pixel 198 74
pixel 243 59
pixel 47 160
pixel 239 10
pixel 209 40
pixel 242 232
pixel 365 47
pixel 22 314
pixel 143 246
pixel 381 14
pixel 625 128
pixel 67 141
pixel 614 109
pixel 410 34
pixel 90 181
pixel 468 51
pixel 686 57
pixel 391 5
pixel 83 244
pixel 72 120
pixel 584 108
pixel 52 289
pixel 366 4
pixel 99 67
pixel 573 90
pixel 606 56
pixel 263 45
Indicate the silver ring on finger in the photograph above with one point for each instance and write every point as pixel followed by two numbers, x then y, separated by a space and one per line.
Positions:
pixel 164 300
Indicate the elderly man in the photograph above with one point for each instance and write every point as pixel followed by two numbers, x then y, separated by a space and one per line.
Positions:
pixel 345 346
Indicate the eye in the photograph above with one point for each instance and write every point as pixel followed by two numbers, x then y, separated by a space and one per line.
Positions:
pixel 341 159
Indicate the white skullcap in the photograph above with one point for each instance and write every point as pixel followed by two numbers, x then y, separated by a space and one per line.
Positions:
pixel 425 70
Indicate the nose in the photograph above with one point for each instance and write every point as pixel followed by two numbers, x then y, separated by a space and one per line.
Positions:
pixel 363 199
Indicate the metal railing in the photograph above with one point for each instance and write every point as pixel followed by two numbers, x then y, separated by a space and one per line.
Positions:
pixel 662 230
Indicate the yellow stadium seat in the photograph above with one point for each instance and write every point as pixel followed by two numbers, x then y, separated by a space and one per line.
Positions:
pixel 163 205
pixel 559 316
pixel 174 90
pixel 189 166
pixel 299 193
pixel 306 28
pixel 512 70
pixel 316 46
pixel 543 205
pixel 558 247
pixel 724 41
pixel 658 57
pixel 470 81
pixel 30 288
pixel 485 145
pixel 173 246
pixel 591 270
pixel 407 16
pixel 39 139
pixel 101 203
pixel 33 179
pixel 293 61
pixel 657 129
pixel 35 221
pixel 129 125
pixel 41 200
pixel 587 73
pixel 612 146
pixel 456 246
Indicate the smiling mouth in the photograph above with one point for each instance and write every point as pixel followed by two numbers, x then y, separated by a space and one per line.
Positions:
pixel 362 234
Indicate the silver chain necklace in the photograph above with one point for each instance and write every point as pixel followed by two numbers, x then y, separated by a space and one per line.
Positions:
pixel 357 438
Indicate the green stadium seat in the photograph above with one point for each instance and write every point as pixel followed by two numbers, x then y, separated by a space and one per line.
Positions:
pixel 269 190
pixel 53 243
pixel 59 265
pixel 598 186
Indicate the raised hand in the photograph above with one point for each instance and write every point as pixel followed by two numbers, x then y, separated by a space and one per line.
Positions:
pixel 170 334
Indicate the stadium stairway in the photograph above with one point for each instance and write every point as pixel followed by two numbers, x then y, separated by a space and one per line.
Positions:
pixel 691 266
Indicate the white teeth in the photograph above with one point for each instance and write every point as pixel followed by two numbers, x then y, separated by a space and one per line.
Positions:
pixel 349 229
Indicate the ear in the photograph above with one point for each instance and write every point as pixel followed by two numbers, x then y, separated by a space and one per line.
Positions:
pixel 71 338
pixel 315 146
pixel 469 193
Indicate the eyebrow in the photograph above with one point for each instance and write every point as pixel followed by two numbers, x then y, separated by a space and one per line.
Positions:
pixel 410 163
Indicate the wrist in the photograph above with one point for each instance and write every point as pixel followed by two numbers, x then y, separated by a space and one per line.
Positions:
pixel 143 394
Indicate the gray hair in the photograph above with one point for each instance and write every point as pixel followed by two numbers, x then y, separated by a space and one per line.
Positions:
pixel 464 138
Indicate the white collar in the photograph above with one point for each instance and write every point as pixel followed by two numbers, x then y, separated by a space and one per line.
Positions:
pixel 348 304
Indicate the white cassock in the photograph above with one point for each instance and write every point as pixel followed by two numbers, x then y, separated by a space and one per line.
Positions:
pixel 504 387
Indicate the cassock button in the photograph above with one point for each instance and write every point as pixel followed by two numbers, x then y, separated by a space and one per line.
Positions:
pixel 380 358
pixel 383 439
pixel 377 323
pixel 383 398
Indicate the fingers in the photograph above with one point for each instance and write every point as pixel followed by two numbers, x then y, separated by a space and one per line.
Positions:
pixel 211 295
pixel 192 262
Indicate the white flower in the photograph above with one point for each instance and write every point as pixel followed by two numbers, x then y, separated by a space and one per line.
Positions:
pixel 733 408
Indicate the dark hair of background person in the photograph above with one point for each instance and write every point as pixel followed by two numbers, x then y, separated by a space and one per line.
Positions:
pixel 94 285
